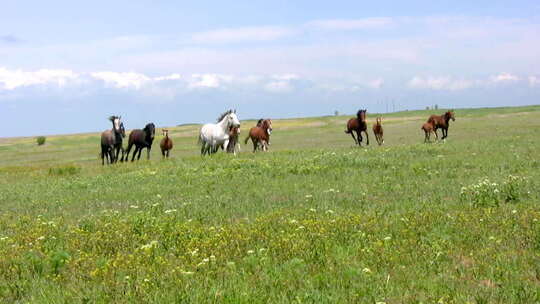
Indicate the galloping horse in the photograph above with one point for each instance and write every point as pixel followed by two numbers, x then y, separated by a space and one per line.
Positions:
pixel 166 144
pixel 441 122
pixel 212 136
pixel 260 134
pixel 378 131
pixel 141 139
pixel 359 125
pixel 109 140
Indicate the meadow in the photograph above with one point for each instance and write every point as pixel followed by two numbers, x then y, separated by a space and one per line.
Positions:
pixel 315 220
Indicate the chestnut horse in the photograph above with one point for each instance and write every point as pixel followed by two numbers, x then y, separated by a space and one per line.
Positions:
pixel 359 125
pixel 166 144
pixel 378 131
pixel 428 129
pixel 260 135
pixel 442 122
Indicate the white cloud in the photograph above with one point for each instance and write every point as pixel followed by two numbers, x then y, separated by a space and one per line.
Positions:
pixel 174 76
pixel 440 83
pixel 12 79
pixel 534 81
pixel 281 83
pixel 122 80
pixel 231 35
pixel 208 80
pixel 452 84
pixel 504 77
pixel 352 24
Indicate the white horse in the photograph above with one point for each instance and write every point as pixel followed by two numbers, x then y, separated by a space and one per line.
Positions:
pixel 212 136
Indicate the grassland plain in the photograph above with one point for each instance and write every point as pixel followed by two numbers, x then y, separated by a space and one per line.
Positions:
pixel 315 220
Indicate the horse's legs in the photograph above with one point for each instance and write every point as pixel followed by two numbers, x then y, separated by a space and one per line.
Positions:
pixel 168 151
pixel 148 152
pixel 436 135
pixel 355 141
pixel 134 153
pixel 226 145
pixel 102 156
pixel 139 155
pixel 122 158
pixel 359 136
pixel 367 137
pixel 203 145
pixel 108 156
pixel 255 144
pixel 127 152
pixel 111 154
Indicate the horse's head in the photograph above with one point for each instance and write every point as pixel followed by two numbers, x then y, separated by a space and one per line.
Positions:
pixel 379 120
pixel 450 115
pixel 116 122
pixel 150 130
pixel 165 132
pixel 267 124
pixel 361 115
pixel 232 120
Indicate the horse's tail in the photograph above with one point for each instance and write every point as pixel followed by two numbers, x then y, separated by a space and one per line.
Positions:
pixel 246 140
pixel 348 131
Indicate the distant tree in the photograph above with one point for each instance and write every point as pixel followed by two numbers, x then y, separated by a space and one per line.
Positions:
pixel 41 140
pixel 436 107
pixel 336 113
pixel 427 108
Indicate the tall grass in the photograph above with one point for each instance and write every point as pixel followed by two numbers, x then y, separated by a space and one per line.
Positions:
pixel 316 220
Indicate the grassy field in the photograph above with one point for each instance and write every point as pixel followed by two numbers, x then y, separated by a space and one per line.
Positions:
pixel 315 220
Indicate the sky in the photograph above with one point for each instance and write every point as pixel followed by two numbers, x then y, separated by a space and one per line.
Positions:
pixel 65 66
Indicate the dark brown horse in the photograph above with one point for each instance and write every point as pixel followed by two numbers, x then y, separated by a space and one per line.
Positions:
pixel 442 122
pixel 234 133
pixel 260 135
pixel 166 144
pixel 109 140
pixel 378 131
pixel 141 139
pixel 358 125
pixel 428 129
pixel 118 147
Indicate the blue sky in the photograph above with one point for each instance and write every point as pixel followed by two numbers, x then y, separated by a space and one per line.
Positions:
pixel 67 65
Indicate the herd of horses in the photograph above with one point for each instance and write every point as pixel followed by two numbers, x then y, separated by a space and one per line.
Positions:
pixel 434 122
pixel 224 134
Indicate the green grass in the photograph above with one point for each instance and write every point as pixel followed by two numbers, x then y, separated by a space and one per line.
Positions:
pixel 316 220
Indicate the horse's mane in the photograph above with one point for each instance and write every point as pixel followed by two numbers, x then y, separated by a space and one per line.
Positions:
pixel 224 114
pixel 112 118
